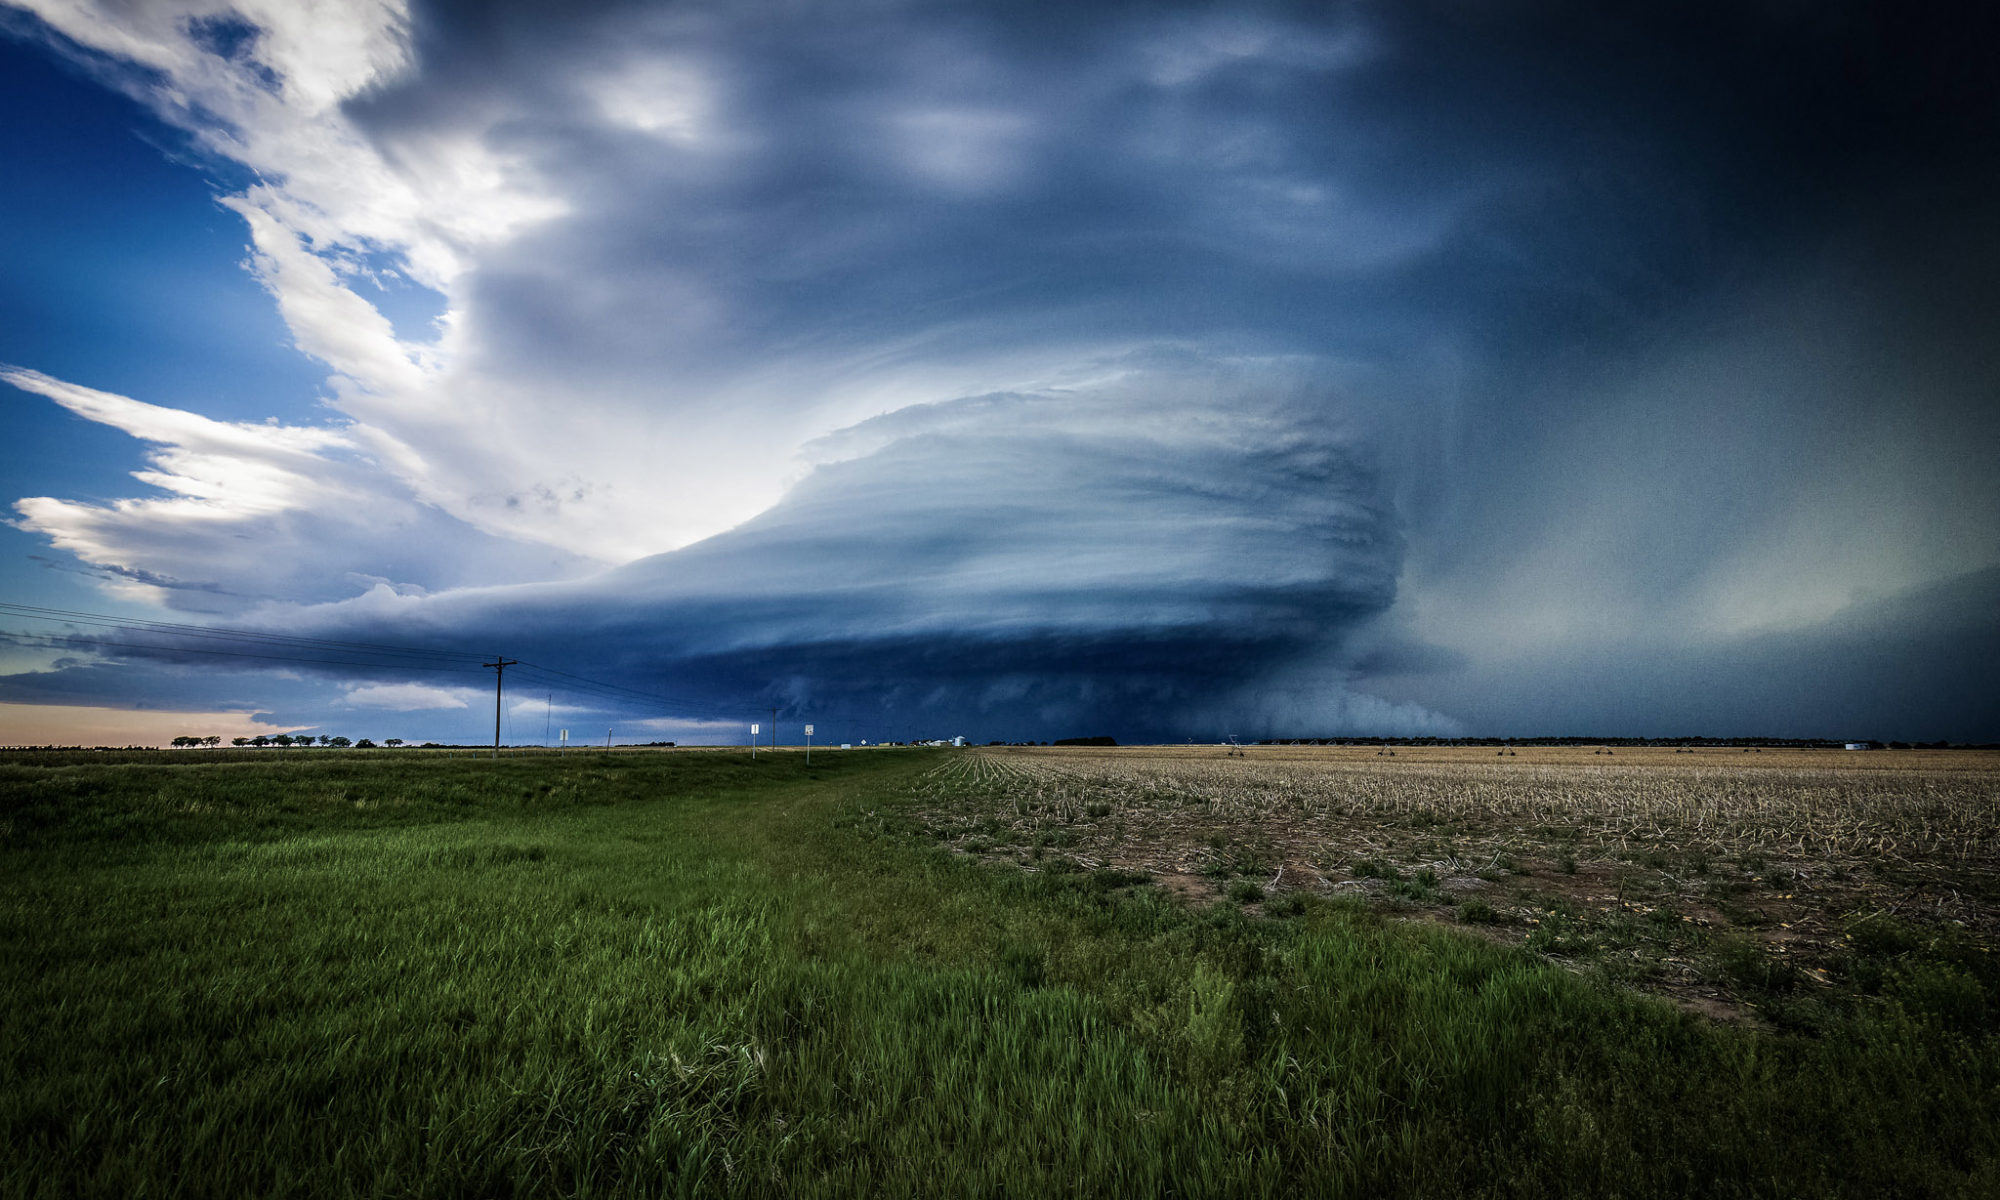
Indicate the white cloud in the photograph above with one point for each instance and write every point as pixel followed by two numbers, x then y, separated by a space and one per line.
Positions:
pixel 533 706
pixel 234 469
pixel 663 97
pixel 432 198
pixel 275 103
pixel 408 697
pixel 328 320
pixel 565 462
pixel 259 512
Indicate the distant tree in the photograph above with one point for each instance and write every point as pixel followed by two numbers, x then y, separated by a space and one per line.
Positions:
pixel 326 740
pixel 281 739
pixel 262 739
pixel 392 741
pixel 337 743
pixel 364 744
pixel 185 741
pixel 242 741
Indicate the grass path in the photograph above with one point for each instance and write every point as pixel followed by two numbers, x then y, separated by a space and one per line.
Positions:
pixel 688 975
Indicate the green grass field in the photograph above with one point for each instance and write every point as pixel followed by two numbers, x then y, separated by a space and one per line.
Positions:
pixel 388 974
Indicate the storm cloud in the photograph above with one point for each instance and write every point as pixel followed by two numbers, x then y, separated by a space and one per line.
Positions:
pixel 1159 370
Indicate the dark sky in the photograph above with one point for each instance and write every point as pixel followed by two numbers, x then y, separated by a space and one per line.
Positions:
pixel 1020 371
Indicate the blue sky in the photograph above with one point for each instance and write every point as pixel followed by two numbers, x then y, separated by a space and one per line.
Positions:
pixel 1163 370
pixel 119 267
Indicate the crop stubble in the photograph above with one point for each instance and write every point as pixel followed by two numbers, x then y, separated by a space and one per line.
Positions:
pixel 1659 865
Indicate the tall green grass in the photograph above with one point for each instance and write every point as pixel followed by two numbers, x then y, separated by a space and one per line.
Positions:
pixel 690 974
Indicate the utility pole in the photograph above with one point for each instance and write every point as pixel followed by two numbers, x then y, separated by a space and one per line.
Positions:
pixel 499 668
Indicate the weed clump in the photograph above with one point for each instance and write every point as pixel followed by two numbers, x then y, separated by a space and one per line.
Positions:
pixel 1288 904
pixel 1749 966
pixel 1478 912
pixel 1375 868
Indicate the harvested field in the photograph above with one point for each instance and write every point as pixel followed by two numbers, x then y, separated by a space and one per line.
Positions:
pixel 1727 879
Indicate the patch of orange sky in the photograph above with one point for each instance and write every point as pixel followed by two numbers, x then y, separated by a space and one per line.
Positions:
pixel 77 725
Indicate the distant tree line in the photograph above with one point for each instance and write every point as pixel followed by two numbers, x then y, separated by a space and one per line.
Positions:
pixel 331 741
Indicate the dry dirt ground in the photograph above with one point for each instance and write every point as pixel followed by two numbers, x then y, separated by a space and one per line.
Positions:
pixel 1717 877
